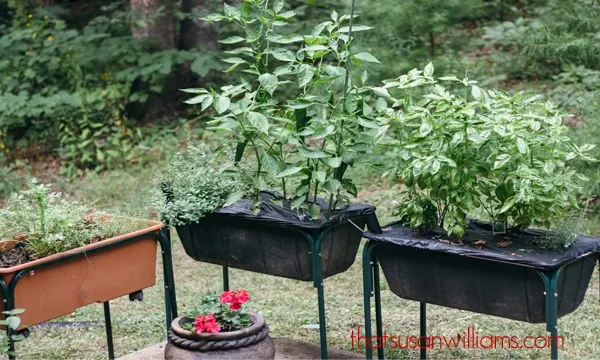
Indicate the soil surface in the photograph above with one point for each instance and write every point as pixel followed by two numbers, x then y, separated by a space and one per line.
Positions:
pixel 14 256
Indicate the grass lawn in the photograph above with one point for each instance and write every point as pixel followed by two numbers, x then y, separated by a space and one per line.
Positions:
pixel 289 306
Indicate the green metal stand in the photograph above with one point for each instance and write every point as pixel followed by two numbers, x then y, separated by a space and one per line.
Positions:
pixel 372 288
pixel 163 238
pixel 317 274
pixel 550 280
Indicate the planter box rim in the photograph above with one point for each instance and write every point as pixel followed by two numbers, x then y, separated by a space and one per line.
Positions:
pixel 535 257
pixel 157 226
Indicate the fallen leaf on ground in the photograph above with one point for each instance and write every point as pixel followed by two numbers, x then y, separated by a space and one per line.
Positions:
pixel 504 243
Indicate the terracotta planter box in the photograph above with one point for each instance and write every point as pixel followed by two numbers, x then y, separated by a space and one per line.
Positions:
pixel 47 292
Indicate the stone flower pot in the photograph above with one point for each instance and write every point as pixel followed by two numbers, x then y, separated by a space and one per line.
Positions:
pixel 252 342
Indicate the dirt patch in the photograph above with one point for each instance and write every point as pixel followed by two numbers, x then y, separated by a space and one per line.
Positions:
pixel 14 256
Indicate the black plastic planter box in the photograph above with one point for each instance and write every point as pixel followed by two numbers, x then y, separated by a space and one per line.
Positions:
pixel 493 280
pixel 276 241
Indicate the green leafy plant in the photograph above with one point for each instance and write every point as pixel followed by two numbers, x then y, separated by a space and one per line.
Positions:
pixel 11 321
pixel 195 184
pixel 295 108
pixel 47 223
pixel 462 149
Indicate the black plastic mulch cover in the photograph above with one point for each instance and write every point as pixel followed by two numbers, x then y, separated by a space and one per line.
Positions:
pixel 492 280
pixel 276 215
pixel 277 240
pixel 521 251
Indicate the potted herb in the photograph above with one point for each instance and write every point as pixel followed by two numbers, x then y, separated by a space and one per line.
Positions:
pixel 465 151
pixel 58 255
pixel 299 121
pixel 220 327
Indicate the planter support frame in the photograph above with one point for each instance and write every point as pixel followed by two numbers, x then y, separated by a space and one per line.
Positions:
pixel 315 243
pixel 163 237
pixel 371 286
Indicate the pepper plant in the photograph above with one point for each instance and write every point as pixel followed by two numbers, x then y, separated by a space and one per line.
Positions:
pixel 462 149
pixel 294 106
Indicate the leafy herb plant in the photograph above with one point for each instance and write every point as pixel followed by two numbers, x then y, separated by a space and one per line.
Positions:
pixel 461 149
pixel 294 108
pixel 196 184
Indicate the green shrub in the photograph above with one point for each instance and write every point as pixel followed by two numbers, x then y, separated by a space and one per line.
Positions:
pixel 464 149
pixel 69 88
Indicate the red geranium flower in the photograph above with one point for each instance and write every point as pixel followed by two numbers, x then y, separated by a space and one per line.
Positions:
pixel 227 297
pixel 206 323
pixel 235 299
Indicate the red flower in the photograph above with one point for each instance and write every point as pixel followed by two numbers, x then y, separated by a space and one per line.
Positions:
pixel 242 296
pixel 235 299
pixel 206 323
pixel 227 297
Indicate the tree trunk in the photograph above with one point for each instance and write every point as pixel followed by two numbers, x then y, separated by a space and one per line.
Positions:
pixel 196 33
pixel 153 19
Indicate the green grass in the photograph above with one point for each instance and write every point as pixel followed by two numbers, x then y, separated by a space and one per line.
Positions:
pixel 289 306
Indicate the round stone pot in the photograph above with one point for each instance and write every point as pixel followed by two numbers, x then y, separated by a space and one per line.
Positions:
pixel 252 342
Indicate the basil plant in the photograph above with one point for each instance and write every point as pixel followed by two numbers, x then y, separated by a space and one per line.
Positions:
pixel 293 109
pixel 461 149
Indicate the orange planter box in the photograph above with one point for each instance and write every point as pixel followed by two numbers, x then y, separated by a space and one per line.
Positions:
pixel 60 288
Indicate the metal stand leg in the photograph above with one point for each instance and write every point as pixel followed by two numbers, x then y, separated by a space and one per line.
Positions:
pixel 169 279
pixel 317 269
pixel 225 278
pixel 378 320
pixel 423 331
pixel 550 284
pixel 109 337
pixel 371 288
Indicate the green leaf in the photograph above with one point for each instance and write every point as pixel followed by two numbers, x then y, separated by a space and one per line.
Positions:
pixel 305 75
pixel 332 186
pixel 510 202
pixel 268 82
pixel 289 171
pixel 355 28
pixel 198 99
pixel 522 146
pixel 13 322
pixel 501 160
pixel 234 198
pixel 232 12
pixel 283 55
pixel 277 6
pixel 426 127
pixel 314 210
pixel 214 17
pixel 334 162
pixel 435 167
pixel 365 56
pixel 232 40
pixel 259 121
pixel 476 92
pixel 285 39
pixel 313 154
pixel 221 104
pixel 315 48
pixel 324 132
pixel 428 71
